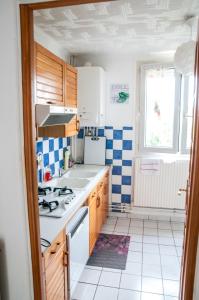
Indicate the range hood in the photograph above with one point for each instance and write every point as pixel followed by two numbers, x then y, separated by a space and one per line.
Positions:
pixel 49 115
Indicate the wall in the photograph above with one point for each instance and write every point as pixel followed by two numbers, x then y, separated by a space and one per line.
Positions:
pixel 46 41
pixel 15 261
pixel 119 129
pixel 52 153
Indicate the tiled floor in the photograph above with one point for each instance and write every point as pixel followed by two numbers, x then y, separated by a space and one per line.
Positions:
pixel 153 264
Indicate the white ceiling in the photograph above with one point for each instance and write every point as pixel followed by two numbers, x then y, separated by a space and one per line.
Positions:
pixel 126 26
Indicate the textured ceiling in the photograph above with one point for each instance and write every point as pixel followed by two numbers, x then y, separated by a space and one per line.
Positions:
pixel 119 26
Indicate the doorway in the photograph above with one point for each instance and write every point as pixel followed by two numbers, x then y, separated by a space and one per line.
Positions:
pixel 31 172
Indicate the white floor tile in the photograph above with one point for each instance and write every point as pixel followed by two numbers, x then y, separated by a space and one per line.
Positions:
pixel 104 293
pixel 171 272
pixel 136 223
pixel 164 225
pixel 151 271
pixel 108 227
pixel 151 248
pixel 136 230
pixel 90 276
pixel 137 247
pixel 150 231
pixel 93 267
pixel 111 220
pixel 166 241
pixel 112 270
pixel 151 259
pixel 178 241
pixel 130 282
pixel 149 296
pixel 128 295
pixel 168 250
pixel 178 234
pixel 134 257
pixel 110 279
pixel 84 291
pixel 150 224
pixel 170 298
pixel 152 285
pixel 120 228
pixel 169 260
pixel 171 288
pixel 179 251
pixel 165 233
pixel 177 226
pixel 136 238
pixel 133 268
pixel 150 239
pixel 123 222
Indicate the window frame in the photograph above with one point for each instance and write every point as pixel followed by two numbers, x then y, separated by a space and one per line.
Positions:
pixel 142 124
pixel 184 121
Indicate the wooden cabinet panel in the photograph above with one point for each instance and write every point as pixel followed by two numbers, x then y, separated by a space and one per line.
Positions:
pixel 98 210
pixel 55 269
pixel 92 220
pixel 56 83
pixel 49 77
pixel 71 86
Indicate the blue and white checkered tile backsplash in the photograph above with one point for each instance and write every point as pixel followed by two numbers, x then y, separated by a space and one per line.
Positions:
pixel 119 154
pixel 53 150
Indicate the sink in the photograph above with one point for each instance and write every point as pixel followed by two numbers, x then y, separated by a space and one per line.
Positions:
pixel 73 183
pixel 81 174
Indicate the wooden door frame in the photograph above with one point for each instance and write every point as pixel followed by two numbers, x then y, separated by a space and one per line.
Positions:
pixel 28 86
pixel 27 46
pixel 192 218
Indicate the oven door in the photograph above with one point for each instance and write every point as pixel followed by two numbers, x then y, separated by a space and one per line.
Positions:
pixel 78 246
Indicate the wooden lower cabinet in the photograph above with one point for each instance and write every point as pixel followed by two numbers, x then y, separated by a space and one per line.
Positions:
pixel 98 210
pixel 55 269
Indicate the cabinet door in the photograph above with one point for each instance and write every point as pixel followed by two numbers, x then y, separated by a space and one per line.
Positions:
pixel 106 196
pixel 71 86
pixel 92 221
pixel 100 197
pixel 56 279
pixel 49 77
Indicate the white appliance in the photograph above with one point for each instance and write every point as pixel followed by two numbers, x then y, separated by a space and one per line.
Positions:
pixel 55 202
pixel 49 115
pixel 94 150
pixel 91 96
pixel 78 246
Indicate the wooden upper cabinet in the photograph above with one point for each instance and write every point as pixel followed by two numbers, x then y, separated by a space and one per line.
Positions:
pixel 71 86
pixel 49 77
pixel 55 83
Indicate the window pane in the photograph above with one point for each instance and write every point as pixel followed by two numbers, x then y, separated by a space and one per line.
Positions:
pixel 190 110
pixel 159 107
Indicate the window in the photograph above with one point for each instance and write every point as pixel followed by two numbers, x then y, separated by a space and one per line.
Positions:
pixel 187 117
pixel 161 110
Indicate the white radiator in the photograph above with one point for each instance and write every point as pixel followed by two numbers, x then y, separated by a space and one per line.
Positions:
pixel 157 183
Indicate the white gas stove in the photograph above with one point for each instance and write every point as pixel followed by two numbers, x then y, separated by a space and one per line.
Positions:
pixel 54 202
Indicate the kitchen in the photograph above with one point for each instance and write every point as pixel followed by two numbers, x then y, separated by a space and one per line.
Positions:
pixel 92 185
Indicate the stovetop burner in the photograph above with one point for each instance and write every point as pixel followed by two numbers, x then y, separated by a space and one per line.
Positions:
pixel 44 191
pixel 64 191
pixel 51 205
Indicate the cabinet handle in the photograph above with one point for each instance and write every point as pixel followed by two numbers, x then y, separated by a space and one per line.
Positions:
pixel 98 201
pixel 50 102
pixel 78 125
pixel 54 251
pixel 65 259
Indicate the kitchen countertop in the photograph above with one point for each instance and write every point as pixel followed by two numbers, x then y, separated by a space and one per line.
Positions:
pixel 50 227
